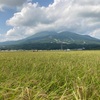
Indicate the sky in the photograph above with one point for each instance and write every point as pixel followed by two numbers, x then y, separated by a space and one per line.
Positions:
pixel 22 18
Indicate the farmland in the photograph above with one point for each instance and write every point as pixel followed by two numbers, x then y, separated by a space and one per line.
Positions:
pixel 50 75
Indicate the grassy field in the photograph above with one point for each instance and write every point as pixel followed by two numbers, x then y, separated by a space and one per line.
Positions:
pixel 50 75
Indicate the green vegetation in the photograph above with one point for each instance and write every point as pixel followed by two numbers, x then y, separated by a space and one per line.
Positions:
pixel 50 75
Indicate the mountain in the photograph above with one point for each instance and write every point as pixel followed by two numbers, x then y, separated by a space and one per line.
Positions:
pixel 53 40
pixel 61 37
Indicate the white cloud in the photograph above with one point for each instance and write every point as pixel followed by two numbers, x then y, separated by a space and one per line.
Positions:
pixel 79 16
pixel 95 33
pixel 30 15
pixel 1 7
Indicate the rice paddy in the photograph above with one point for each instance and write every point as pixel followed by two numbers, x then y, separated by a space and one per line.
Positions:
pixel 50 75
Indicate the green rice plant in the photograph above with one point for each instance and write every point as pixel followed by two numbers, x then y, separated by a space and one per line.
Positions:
pixel 50 75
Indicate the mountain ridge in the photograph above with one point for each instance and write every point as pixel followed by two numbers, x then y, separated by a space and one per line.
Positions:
pixel 51 39
pixel 65 36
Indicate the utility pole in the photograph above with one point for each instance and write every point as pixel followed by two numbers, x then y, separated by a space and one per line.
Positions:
pixel 61 46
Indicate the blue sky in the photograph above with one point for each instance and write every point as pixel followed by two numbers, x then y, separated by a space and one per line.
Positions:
pixel 6 14
pixel 44 2
pixel 23 18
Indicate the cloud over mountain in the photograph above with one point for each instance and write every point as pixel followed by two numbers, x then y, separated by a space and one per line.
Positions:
pixel 80 16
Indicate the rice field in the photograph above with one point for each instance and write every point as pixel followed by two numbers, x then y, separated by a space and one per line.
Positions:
pixel 50 75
